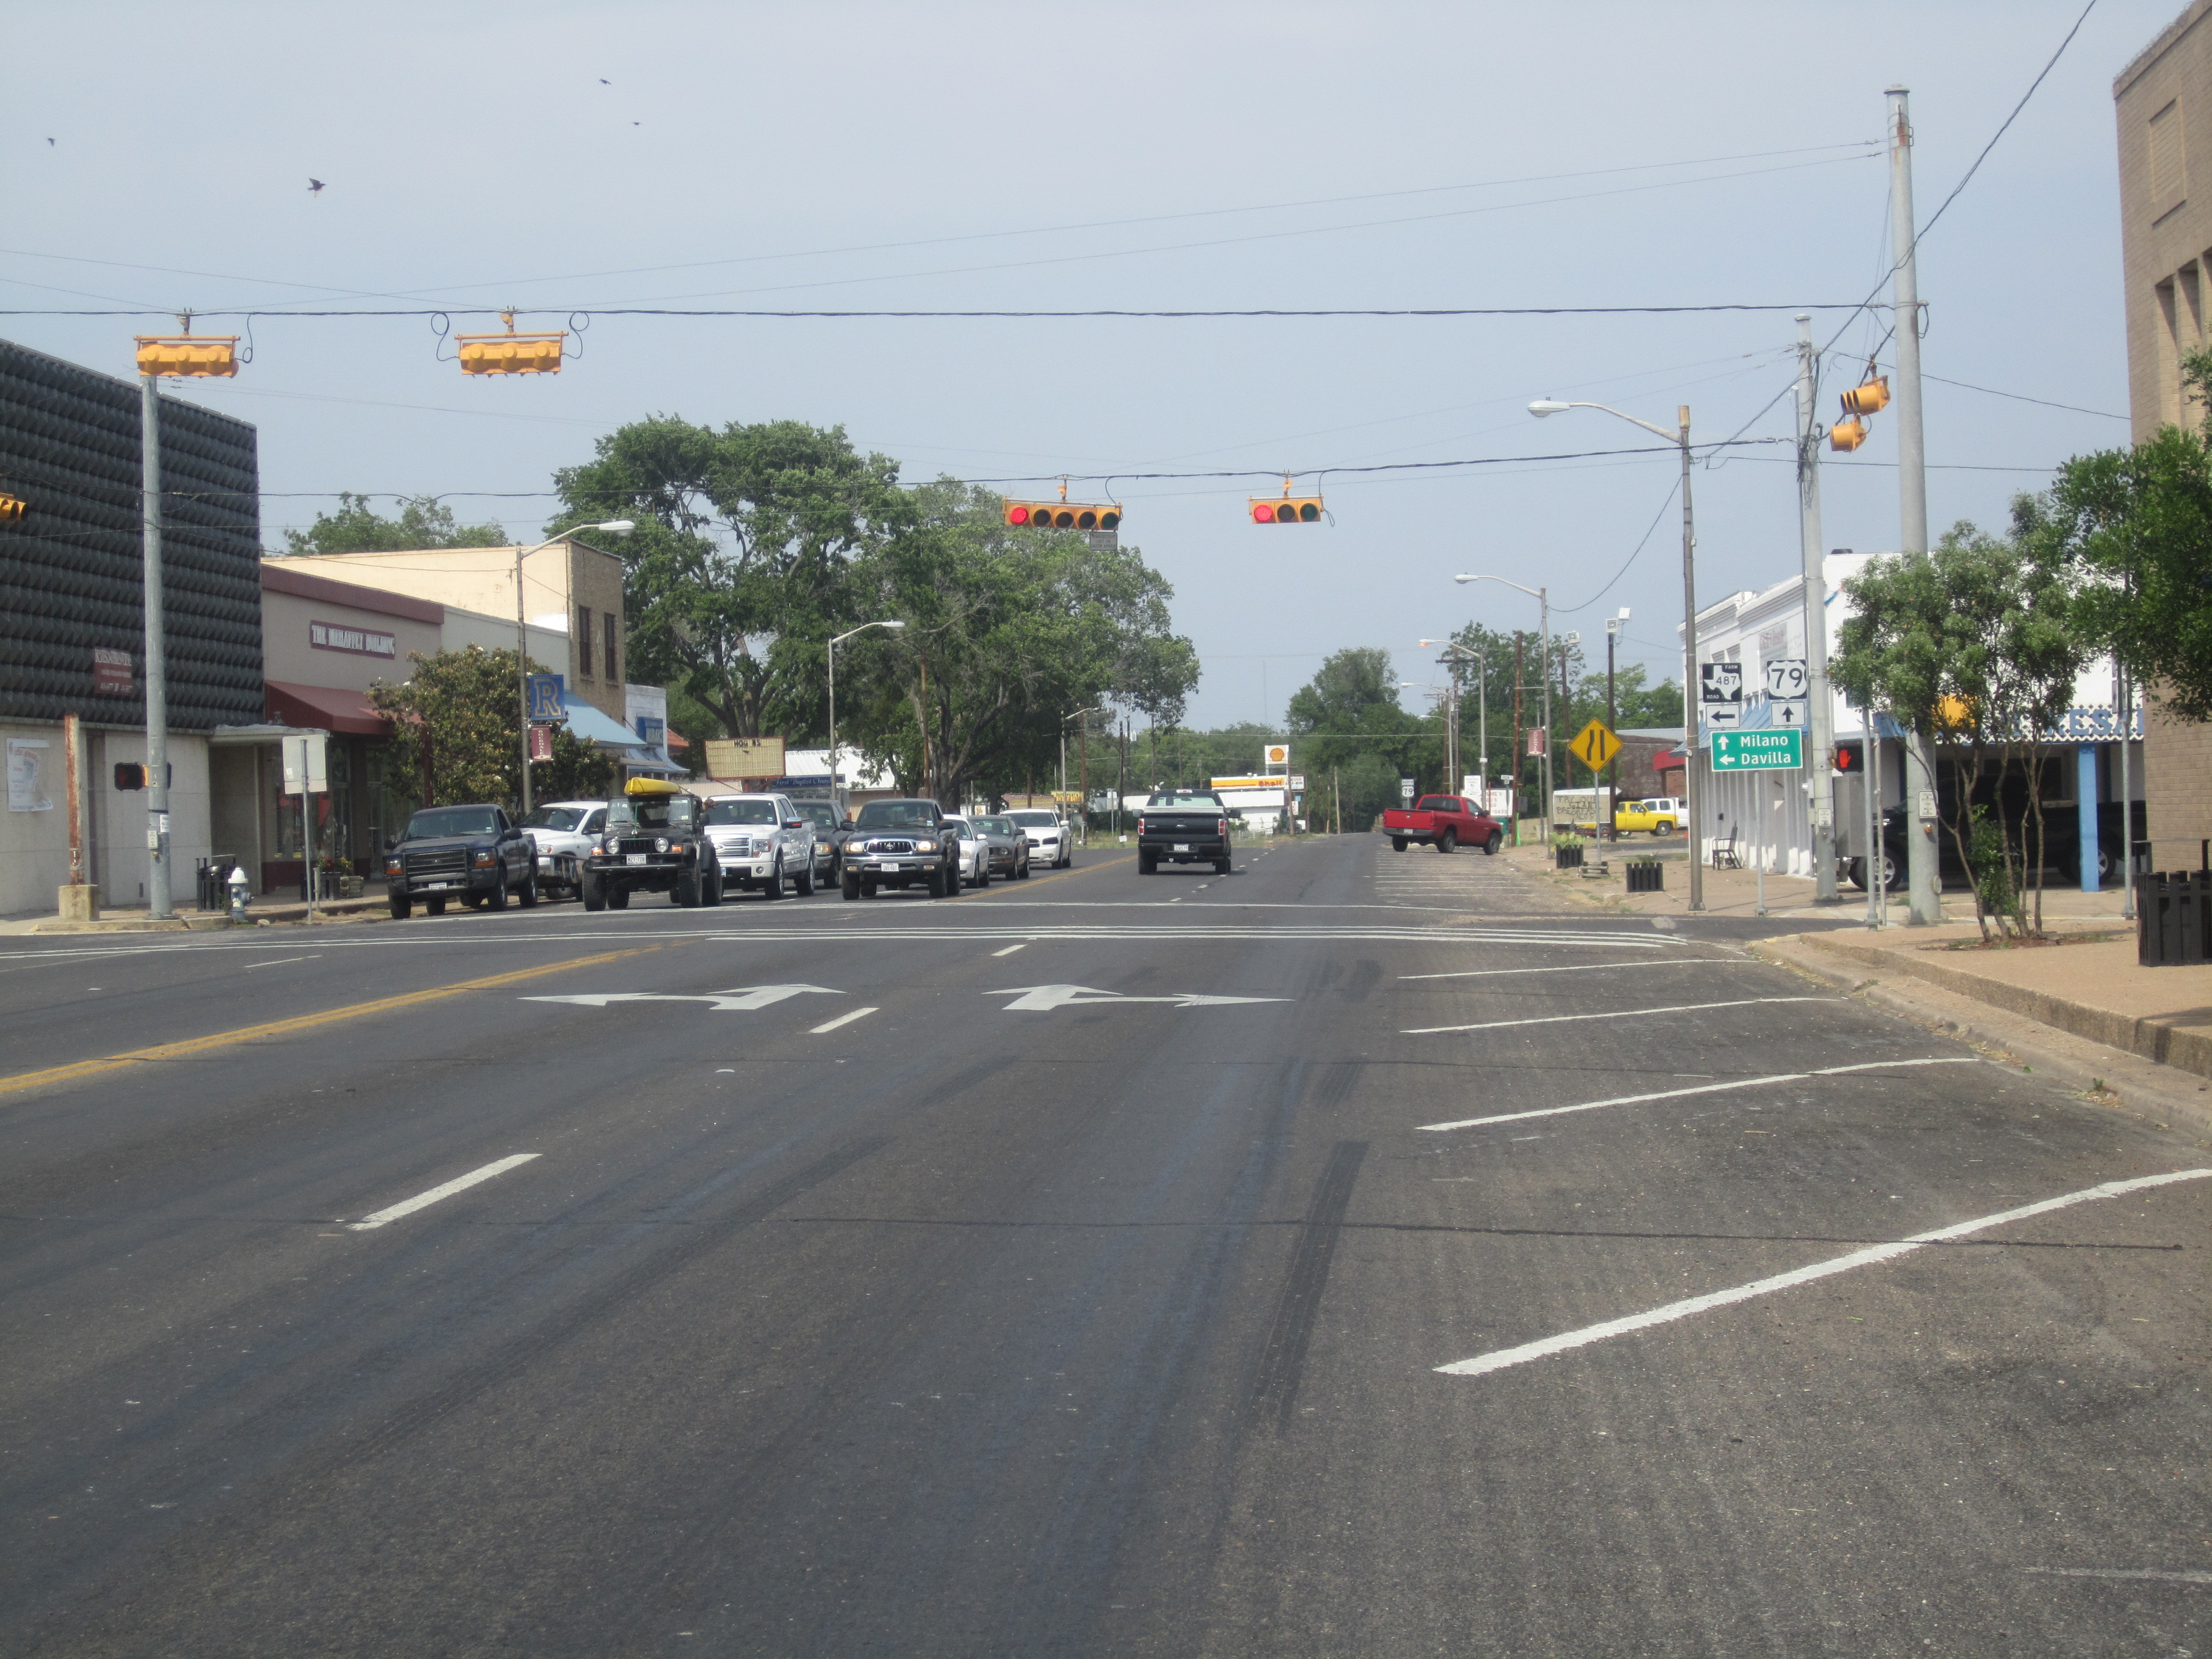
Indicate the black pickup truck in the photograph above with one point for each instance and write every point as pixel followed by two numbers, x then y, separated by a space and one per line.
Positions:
pixel 1184 827
pixel 474 853
pixel 899 843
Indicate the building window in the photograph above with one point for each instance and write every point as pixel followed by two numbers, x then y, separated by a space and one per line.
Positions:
pixel 584 642
pixel 2169 172
pixel 613 662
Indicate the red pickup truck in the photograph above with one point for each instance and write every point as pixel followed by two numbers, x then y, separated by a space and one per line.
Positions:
pixel 1445 822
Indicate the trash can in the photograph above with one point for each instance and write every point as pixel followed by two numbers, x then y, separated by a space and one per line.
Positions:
pixel 2174 918
pixel 1646 876
pixel 214 872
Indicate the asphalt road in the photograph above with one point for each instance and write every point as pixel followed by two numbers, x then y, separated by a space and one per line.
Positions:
pixel 1345 1256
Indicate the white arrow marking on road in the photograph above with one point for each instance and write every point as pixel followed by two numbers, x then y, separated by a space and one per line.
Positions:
pixel 1040 999
pixel 1499 1359
pixel 746 998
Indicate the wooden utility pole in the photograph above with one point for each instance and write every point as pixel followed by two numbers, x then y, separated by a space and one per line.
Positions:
pixel 1520 741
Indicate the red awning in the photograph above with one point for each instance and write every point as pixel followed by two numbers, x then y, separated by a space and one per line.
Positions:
pixel 324 706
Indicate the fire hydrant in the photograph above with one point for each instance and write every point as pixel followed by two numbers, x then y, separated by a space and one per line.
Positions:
pixel 237 886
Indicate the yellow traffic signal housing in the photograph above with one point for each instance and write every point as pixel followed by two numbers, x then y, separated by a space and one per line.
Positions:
pixel 187 353
pixel 11 507
pixel 1871 398
pixel 1065 515
pixel 511 353
pixel 1285 509
pixel 1847 435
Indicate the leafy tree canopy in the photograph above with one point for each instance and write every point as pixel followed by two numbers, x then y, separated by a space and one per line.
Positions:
pixel 457 735
pixel 355 527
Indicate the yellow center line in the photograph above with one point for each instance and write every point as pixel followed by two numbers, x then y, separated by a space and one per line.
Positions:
pixel 189 1046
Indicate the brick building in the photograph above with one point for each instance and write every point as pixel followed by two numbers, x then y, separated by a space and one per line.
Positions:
pixel 2163 104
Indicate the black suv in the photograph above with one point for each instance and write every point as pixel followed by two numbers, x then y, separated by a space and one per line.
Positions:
pixel 654 842
pixel 476 854
pixel 899 843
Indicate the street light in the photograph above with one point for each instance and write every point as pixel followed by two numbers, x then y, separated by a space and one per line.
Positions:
pixel 1680 436
pixel 1543 598
pixel 617 527
pixel 836 801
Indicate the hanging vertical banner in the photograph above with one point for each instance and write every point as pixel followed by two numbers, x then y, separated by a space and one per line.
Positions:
pixel 541 741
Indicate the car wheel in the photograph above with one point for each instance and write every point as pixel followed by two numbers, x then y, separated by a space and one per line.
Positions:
pixel 943 883
pixel 1856 870
pixel 983 875
pixel 435 905
pixel 1497 840
pixel 617 898
pixel 1147 866
pixel 593 891
pixel 867 888
pixel 1447 841
pixel 805 878
pixel 529 894
pixel 691 888
pixel 1023 873
pixel 773 887
pixel 496 899
pixel 850 885
pixel 1397 846
pixel 1221 866
pixel 401 906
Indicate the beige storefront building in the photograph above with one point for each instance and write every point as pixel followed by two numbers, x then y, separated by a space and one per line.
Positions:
pixel 2164 106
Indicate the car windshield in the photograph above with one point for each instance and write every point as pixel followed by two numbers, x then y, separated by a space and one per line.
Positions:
pixel 1186 802
pixel 899 815
pixel 1035 820
pixel 554 817
pixel 960 829
pixel 819 814
pixel 741 811
pixel 655 812
pixel 453 821
pixel 997 826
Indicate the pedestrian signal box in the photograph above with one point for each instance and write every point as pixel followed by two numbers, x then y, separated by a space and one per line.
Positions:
pixel 1065 515
pixel 1847 760
pixel 187 354
pixel 1847 435
pixel 1285 509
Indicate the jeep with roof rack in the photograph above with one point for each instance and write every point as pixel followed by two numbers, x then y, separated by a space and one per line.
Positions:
pixel 654 841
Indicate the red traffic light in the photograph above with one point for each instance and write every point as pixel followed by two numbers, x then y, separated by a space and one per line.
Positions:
pixel 1285 509
pixel 1065 515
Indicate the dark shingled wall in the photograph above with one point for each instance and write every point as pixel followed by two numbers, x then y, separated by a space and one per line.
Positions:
pixel 71 570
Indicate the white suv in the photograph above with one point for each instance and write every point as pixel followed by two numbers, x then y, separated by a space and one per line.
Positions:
pixel 761 840
pixel 1051 842
pixel 563 831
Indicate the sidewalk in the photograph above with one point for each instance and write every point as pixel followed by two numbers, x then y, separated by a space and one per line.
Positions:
pixel 262 913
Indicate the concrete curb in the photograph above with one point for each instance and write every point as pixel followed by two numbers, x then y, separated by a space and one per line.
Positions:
pixel 2184 1050
pixel 327 910
pixel 2143 1087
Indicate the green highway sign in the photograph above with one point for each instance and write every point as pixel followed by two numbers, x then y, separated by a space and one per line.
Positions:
pixel 1758 751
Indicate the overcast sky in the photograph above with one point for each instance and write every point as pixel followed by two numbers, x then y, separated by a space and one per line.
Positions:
pixel 1044 156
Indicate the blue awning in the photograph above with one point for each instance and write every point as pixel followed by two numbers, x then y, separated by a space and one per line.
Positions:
pixel 596 725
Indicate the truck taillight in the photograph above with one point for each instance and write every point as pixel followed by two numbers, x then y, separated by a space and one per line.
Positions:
pixel 1140 826
pixel 1221 827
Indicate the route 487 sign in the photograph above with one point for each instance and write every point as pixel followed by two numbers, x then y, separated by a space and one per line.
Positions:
pixel 1758 751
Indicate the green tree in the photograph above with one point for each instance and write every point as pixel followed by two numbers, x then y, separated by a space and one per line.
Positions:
pixel 1970 646
pixel 457 729
pixel 1007 629
pixel 1350 710
pixel 2135 527
pixel 737 572
pixel 355 527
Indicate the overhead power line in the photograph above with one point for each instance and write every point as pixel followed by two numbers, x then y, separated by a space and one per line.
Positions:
pixel 1254 311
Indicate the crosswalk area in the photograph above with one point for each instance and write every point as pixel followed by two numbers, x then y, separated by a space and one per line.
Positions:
pixel 1420 876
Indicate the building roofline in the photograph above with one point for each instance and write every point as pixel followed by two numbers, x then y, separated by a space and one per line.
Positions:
pixel 2141 63
pixel 283 579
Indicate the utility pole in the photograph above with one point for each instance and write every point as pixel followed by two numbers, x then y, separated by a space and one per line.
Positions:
pixel 1082 768
pixel 1520 743
pixel 1612 721
pixel 1692 792
pixel 1822 733
pixel 522 688
pixel 1922 869
pixel 157 660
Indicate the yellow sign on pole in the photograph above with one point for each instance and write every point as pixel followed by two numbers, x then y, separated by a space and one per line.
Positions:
pixel 1594 746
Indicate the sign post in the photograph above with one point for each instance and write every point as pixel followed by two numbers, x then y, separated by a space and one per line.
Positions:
pixel 1594 746
pixel 306 775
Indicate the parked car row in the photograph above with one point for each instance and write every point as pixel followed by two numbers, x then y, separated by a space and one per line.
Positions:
pixel 658 837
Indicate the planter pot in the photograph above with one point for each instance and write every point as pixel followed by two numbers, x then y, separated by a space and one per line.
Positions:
pixel 1647 876
pixel 1566 858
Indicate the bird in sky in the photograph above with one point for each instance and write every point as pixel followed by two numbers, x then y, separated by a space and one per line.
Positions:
pixel 314 187
pixel 604 81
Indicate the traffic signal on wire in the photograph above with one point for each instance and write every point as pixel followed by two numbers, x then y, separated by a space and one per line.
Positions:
pixel 1869 399
pixel 1065 515
pixel 11 507
pixel 187 354
pixel 511 352
pixel 1285 509
pixel 1847 435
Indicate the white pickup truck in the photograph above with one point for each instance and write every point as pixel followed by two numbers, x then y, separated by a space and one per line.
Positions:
pixel 562 830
